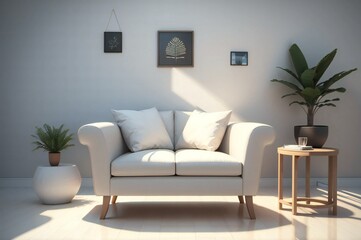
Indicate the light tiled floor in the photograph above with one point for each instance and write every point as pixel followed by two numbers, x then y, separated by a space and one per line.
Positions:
pixel 23 217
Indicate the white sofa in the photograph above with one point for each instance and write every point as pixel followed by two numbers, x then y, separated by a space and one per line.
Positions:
pixel 232 170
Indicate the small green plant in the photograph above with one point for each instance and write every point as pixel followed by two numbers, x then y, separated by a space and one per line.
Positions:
pixel 307 84
pixel 52 139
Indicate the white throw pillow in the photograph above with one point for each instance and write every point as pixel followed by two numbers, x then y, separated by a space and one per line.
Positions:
pixel 204 130
pixel 143 129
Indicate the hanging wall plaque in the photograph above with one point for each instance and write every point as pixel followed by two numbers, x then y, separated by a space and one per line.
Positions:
pixel 113 40
pixel 175 48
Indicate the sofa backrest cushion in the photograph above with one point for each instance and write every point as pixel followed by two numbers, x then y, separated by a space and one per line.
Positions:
pixel 143 129
pixel 168 120
pixel 180 121
pixel 203 130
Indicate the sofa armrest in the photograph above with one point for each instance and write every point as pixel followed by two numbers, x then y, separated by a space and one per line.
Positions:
pixel 105 143
pixel 246 141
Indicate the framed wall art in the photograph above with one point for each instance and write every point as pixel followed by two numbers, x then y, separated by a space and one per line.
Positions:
pixel 113 42
pixel 239 58
pixel 175 49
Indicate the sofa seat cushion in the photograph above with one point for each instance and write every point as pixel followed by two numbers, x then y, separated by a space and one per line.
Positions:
pixel 156 162
pixel 195 162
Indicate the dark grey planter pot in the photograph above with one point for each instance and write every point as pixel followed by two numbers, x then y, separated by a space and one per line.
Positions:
pixel 316 135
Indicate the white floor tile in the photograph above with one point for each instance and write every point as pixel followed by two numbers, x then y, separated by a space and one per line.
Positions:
pixel 194 218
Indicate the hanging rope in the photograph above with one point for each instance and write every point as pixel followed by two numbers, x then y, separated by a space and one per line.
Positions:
pixel 116 18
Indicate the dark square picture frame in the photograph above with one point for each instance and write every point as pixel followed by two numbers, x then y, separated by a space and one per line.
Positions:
pixel 113 42
pixel 239 58
pixel 175 49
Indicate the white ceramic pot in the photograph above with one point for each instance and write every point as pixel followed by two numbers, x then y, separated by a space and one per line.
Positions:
pixel 56 185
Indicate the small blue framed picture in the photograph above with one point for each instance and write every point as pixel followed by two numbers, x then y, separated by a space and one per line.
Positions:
pixel 239 58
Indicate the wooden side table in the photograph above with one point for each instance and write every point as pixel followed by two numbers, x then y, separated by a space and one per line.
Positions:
pixel 331 202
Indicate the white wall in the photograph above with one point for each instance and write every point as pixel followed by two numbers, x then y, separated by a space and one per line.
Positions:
pixel 53 69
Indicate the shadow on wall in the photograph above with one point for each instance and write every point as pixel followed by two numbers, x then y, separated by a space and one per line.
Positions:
pixel 197 93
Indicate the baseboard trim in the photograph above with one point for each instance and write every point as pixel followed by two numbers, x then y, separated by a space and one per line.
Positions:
pixel 264 182
pixel 28 182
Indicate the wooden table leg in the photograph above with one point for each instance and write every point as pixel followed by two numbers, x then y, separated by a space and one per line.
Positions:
pixel 280 180
pixel 332 183
pixel 329 181
pixel 294 184
pixel 308 176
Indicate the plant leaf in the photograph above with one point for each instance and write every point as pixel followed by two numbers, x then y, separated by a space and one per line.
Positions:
pixel 324 86
pixel 307 78
pixel 298 102
pixel 328 91
pixel 291 73
pixel 311 95
pixel 288 84
pixel 331 100
pixel 290 94
pixel 326 104
pixel 327 101
pixel 298 59
pixel 322 66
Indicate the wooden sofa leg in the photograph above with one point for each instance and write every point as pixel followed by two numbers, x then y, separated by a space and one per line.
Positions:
pixel 114 199
pixel 250 209
pixel 105 207
pixel 241 200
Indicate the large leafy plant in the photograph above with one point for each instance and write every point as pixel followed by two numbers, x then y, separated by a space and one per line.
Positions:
pixel 52 139
pixel 307 85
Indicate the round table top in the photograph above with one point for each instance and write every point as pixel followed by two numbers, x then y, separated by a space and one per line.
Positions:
pixel 313 152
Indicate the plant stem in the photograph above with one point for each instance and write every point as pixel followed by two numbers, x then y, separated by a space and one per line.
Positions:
pixel 310 116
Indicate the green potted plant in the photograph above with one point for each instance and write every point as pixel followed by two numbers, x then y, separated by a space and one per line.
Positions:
pixel 54 140
pixel 306 84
